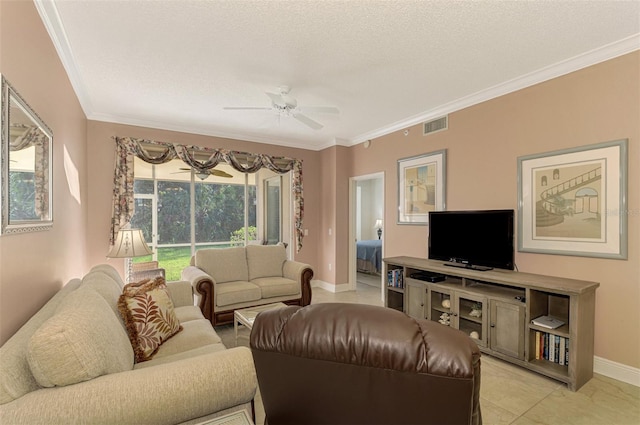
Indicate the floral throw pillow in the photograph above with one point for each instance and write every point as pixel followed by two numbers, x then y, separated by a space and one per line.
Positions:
pixel 149 316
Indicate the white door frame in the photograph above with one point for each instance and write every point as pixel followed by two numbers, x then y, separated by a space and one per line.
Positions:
pixel 353 276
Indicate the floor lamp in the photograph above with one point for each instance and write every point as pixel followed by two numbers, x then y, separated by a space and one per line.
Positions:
pixel 129 243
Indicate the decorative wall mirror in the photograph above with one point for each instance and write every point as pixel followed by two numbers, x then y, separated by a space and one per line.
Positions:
pixel 26 159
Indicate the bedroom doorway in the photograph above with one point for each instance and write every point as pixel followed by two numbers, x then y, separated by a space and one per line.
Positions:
pixel 366 232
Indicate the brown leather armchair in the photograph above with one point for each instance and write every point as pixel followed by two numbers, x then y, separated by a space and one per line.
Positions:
pixel 360 364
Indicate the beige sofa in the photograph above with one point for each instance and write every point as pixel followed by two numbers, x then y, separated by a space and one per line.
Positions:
pixel 72 362
pixel 227 279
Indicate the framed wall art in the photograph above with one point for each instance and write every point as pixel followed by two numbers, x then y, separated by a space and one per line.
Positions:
pixel 421 187
pixel 574 201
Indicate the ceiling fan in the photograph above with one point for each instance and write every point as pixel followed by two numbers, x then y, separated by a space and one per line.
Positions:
pixel 286 105
pixel 202 175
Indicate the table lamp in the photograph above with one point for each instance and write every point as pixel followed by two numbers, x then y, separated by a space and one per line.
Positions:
pixel 378 226
pixel 129 243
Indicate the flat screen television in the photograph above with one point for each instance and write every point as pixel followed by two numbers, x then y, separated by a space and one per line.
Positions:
pixel 479 240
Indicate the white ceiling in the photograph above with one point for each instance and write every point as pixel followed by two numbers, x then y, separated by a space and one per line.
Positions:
pixel 386 64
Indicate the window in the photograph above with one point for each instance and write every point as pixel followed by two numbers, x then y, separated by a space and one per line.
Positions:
pixel 180 212
pixel 273 209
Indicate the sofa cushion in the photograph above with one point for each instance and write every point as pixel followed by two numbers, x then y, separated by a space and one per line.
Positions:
pixel 181 293
pixel 16 378
pixel 149 316
pixel 265 261
pixel 194 352
pixel 224 264
pixel 195 334
pixel 236 292
pixel 110 271
pixel 82 341
pixel 277 286
pixel 188 313
pixel 107 283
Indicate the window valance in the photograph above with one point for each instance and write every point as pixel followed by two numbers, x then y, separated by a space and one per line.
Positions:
pixel 199 158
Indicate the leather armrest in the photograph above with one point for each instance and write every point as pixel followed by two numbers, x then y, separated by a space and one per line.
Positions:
pixel 302 273
pixel 202 284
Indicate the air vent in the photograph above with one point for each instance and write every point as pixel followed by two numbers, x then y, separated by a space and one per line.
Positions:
pixel 433 126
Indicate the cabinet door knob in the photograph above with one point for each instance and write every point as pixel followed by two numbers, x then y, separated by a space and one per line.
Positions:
pixel 493 325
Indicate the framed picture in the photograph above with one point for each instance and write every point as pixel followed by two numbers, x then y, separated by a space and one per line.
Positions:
pixel 574 201
pixel 421 187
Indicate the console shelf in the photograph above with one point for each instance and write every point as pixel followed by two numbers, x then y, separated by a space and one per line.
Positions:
pixel 504 303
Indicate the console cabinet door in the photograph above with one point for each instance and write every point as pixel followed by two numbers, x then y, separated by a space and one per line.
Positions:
pixel 507 325
pixel 416 294
pixel 471 316
pixel 439 306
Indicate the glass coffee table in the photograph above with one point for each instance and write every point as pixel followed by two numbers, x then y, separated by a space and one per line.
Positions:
pixel 246 316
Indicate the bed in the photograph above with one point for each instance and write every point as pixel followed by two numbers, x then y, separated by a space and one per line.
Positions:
pixel 369 255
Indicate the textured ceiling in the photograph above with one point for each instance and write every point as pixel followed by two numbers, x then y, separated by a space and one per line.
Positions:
pixel 385 64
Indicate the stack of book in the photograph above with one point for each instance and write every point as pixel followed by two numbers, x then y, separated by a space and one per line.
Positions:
pixel 394 278
pixel 553 348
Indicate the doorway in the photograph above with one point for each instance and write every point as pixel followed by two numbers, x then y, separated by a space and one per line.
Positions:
pixel 366 231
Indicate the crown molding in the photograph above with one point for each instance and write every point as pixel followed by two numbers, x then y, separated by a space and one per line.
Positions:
pixel 290 143
pixel 52 22
pixel 567 66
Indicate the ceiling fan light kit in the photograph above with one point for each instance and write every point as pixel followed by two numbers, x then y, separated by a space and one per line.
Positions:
pixel 287 106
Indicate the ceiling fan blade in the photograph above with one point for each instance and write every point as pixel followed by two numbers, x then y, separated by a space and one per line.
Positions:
pixel 236 108
pixel 213 172
pixel 275 98
pixel 221 173
pixel 308 121
pixel 323 109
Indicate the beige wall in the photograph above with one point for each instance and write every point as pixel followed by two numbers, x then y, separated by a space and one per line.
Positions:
pixel 101 157
pixel 597 104
pixel 333 266
pixel 34 266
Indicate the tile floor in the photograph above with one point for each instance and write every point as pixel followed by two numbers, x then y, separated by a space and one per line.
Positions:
pixel 510 394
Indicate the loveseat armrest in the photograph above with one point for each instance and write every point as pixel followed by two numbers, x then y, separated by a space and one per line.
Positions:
pixel 181 293
pixel 202 284
pixel 164 394
pixel 302 273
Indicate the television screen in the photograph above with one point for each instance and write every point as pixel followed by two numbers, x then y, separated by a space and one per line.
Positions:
pixel 474 239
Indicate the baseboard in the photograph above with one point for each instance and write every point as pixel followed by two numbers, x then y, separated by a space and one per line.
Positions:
pixel 617 371
pixel 315 283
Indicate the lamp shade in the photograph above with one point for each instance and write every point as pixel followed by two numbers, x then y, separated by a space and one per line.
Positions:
pixel 378 224
pixel 129 243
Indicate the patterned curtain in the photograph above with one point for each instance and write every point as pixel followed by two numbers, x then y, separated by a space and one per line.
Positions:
pixel 33 136
pixel 127 148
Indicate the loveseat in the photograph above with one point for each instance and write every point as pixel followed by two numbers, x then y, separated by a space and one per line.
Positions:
pixel 334 363
pixel 73 362
pixel 227 279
